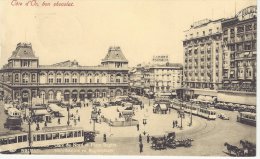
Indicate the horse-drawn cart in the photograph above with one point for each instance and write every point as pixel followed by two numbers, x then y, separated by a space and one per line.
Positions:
pixel 169 141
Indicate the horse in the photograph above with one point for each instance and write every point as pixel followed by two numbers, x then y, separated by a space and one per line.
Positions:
pixel 232 148
pixel 248 147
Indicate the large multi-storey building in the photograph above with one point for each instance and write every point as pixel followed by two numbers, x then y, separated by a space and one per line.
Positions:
pixel 23 78
pixel 239 55
pixel 156 78
pixel 203 55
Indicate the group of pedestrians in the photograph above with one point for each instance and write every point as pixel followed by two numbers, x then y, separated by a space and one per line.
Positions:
pixel 174 123
pixel 141 146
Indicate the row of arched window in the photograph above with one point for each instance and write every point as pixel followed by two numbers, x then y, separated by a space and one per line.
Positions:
pixel 72 78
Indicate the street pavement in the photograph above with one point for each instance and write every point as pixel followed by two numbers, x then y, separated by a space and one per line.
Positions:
pixel 209 136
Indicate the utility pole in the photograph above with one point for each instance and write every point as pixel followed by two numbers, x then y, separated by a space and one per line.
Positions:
pixel 30 131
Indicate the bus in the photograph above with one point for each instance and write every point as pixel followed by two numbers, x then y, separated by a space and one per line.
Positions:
pixel 47 138
pixel 247 118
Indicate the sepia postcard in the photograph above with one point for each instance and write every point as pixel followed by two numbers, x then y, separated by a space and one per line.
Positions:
pixel 128 77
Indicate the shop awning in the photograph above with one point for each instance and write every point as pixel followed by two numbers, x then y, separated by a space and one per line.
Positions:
pixel 163 106
pixel 41 112
pixel 54 107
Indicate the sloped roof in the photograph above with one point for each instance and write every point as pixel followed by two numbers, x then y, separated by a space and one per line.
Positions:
pixel 23 51
pixel 115 54
pixel 67 63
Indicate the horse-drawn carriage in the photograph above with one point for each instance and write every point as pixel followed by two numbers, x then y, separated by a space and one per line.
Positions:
pixel 169 141
pixel 248 149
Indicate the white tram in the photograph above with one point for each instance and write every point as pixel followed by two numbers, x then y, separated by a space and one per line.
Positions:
pixel 48 137
pixel 195 109
pixel 12 142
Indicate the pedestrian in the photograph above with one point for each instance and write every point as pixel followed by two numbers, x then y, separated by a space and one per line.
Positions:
pixel 148 138
pixel 173 124
pixel 87 104
pixel 78 118
pixel 141 147
pixel 176 123
pixel 140 138
pixel 59 121
pixel 105 138
pixel 45 123
pixel 169 111
pixel 37 127
pixel 137 126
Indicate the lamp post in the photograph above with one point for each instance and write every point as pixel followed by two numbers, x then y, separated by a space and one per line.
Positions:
pixel 181 112
pixel 29 122
pixel 94 118
pixel 191 113
pixel 68 110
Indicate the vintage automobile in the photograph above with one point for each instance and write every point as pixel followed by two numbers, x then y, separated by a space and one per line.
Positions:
pixel 223 116
pixel 13 123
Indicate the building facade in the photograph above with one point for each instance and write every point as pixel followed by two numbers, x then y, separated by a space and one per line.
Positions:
pixel 239 50
pixel 156 78
pixel 203 55
pixel 24 78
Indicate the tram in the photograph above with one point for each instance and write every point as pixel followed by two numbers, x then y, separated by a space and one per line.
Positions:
pixel 247 118
pixel 49 137
pixel 195 109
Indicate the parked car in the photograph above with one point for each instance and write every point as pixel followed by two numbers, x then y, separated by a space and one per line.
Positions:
pixel 223 116
pixel 13 123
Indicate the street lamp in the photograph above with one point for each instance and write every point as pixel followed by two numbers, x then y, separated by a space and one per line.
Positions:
pixel 68 109
pixel 191 113
pixel 94 118
pixel 181 112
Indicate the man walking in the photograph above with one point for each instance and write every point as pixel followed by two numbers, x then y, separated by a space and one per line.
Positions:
pixel 141 147
pixel 137 126
pixel 148 138
pixel 105 138
pixel 140 138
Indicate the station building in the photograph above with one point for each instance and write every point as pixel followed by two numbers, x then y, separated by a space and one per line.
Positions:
pixel 23 78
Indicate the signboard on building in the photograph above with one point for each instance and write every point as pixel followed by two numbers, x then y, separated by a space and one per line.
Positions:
pixel 247 13
pixel 160 59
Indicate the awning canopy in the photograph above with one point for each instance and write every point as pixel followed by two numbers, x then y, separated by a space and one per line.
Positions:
pixel 41 112
pixel 163 106
pixel 54 107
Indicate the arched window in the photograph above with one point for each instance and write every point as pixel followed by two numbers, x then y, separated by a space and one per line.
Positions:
pixel 25 78
pixel 66 78
pixel 16 77
pixel 58 77
pixel 51 77
pixel 51 95
pixel 33 78
pixel 74 78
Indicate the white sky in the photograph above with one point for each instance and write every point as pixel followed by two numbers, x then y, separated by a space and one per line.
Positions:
pixel 85 32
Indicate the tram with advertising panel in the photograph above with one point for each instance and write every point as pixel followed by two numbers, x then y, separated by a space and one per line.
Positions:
pixel 49 137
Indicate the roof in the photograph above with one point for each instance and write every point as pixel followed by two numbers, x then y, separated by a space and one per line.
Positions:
pixel 115 54
pixel 67 63
pixel 23 51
